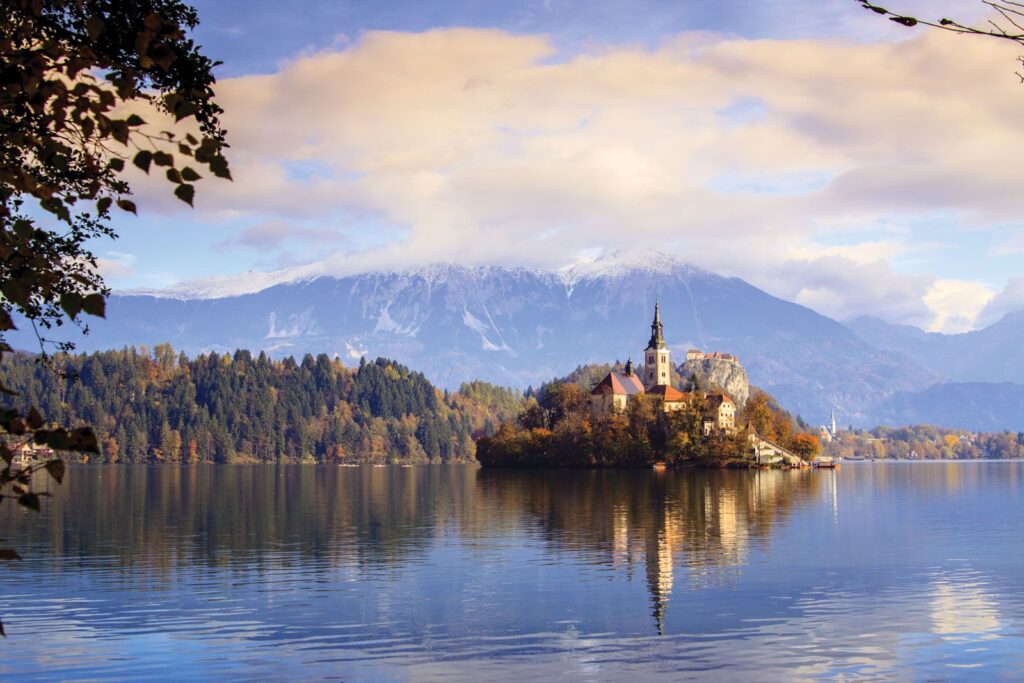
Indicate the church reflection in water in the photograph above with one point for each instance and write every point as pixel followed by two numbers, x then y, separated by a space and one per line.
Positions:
pixel 692 526
pixel 696 527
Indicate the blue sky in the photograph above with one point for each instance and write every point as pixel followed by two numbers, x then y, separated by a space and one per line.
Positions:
pixel 813 148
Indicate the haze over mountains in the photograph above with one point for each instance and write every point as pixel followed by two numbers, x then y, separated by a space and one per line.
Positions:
pixel 517 326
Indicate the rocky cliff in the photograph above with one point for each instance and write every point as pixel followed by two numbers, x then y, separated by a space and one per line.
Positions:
pixel 724 374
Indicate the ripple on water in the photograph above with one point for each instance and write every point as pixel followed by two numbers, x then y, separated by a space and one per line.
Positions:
pixel 459 574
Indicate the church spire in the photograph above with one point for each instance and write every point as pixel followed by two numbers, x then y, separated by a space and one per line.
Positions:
pixel 657 337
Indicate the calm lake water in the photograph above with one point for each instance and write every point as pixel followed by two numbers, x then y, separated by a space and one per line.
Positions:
pixel 892 571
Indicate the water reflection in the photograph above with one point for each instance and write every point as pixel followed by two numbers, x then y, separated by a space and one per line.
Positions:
pixel 875 571
pixel 698 525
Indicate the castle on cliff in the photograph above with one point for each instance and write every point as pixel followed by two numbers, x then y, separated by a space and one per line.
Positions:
pixel 614 393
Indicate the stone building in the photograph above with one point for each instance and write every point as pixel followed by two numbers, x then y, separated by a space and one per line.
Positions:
pixel 613 393
pixel 671 398
pixel 721 413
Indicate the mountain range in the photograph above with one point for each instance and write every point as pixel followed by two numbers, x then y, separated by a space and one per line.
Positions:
pixel 517 326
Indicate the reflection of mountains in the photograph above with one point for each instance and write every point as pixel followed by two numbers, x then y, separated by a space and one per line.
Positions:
pixel 698 524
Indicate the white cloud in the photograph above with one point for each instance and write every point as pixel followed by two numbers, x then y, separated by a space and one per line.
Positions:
pixel 482 146
pixel 956 304
pixel 1009 300
pixel 116 264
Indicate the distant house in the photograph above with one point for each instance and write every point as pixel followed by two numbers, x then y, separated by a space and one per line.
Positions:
pixel 696 354
pixel 721 413
pixel 672 399
pixel 613 393
pixel 719 409
pixel 27 453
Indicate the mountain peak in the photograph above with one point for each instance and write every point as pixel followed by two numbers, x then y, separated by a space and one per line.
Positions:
pixel 612 265
pixel 622 263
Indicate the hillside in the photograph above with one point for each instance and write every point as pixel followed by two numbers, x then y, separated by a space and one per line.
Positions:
pixel 517 327
pixel 164 407
pixel 991 354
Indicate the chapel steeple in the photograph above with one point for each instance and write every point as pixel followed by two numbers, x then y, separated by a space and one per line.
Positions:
pixel 657 362
pixel 657 336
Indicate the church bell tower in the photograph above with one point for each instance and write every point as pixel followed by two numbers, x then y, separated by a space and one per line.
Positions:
pixel 657 360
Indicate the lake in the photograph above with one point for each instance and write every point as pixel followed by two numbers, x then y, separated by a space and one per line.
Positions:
pixel 906 571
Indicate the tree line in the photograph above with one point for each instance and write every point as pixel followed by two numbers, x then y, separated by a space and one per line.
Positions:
pixel 925 442
pixel 160 406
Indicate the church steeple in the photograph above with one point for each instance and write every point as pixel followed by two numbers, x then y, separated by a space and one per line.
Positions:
pixel 657 361
pixel 657 336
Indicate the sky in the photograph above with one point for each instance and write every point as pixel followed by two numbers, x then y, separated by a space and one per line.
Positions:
pixel 815 149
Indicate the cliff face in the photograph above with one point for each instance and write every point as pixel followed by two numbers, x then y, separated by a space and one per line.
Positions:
pixel 724 374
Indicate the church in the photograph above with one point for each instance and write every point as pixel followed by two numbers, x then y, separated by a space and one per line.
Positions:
pixel 613 393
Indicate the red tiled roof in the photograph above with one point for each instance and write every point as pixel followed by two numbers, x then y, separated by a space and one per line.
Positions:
pixel 667 393
pixel 715 400
pixel 619 384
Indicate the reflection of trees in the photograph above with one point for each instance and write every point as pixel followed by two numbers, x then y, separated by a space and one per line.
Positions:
pixel 226 515
pixel 697 523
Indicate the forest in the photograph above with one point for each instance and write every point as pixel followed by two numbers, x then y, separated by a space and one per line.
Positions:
pixel 153 406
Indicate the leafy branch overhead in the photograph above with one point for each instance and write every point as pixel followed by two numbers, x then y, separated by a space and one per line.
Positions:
pixel 78 81
pixel 1007 22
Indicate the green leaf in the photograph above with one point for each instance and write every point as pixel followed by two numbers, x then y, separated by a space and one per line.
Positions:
pixel 57 208
pixel 72 304
pixel 94 27
pixel 9 554
pixel 127 205
pixel 906 21
pixel 143 159
pixel 182 109
pixel 117 164
pixel 16 290
pixel 189 174
pixel 173 175
pixel 34 418
pixel 84 440
pixel 185 193
pixel 56 469
pixel 103 205
pixel 219 167
pixel 163 159
pixel 134 120
pixel 57 439
pixel 95 304
pixel 29 500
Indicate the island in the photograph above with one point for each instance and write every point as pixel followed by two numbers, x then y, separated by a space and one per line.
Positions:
pixel 636 418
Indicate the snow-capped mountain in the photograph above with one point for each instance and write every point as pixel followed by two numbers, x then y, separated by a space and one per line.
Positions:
pixel 519 326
